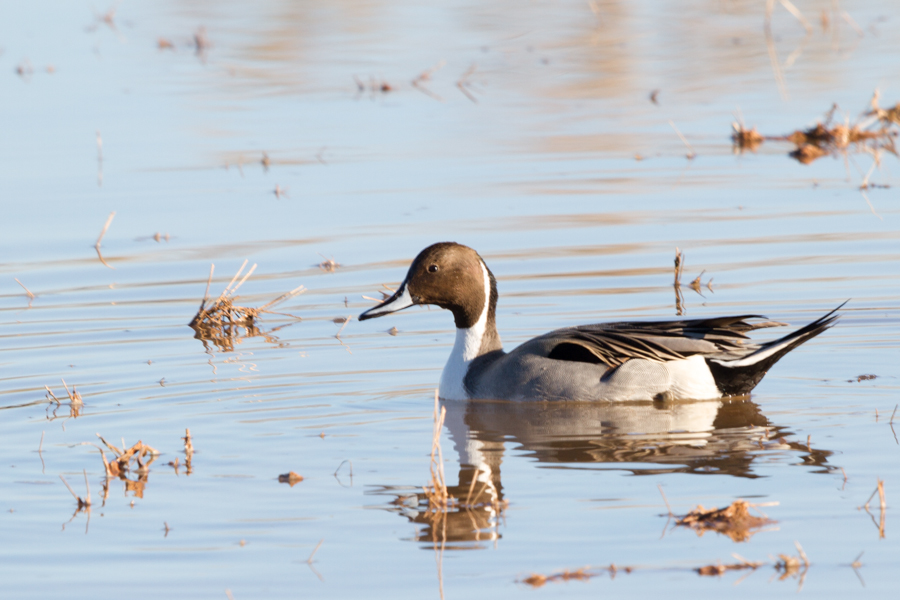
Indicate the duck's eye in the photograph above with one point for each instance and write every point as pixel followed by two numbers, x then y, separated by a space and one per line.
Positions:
pixel 432 268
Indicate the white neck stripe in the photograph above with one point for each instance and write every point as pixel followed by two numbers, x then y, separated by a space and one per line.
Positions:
pixel 465 349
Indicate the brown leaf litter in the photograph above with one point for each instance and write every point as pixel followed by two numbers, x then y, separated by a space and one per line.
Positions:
pixel 734 520
pixel 225 323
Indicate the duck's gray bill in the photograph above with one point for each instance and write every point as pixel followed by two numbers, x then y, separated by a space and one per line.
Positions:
pixel 400 300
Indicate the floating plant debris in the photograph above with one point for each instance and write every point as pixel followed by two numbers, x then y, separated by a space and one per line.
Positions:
pixel 225 323
pixel 874 132
pixel 290 478
pixel 734 520
pixel 122 462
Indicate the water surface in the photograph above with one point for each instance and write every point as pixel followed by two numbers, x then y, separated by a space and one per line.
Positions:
pixel 556 165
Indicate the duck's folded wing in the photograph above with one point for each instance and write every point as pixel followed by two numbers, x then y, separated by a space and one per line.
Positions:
pixel 615 343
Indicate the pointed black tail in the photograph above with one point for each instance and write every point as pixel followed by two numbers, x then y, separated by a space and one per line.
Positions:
pixel 737 377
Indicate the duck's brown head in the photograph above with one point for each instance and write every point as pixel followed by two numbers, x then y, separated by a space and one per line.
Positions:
pixel 448 275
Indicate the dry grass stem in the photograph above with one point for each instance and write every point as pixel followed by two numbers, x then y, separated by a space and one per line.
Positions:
pixel 313 553
pixel 425 76
pixel 31 296
pixel 879 489
pixel 465 85
pixel 852 23
pixel 436 491
pixel 343 321
pixel 797 15
pixel 343 462
pixel 690 153
pixel 188 451
pixel 666 500
pixel 106 225
pixel 679 268
pixel 83 503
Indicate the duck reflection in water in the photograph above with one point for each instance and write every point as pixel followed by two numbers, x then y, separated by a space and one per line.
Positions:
pixel 721 437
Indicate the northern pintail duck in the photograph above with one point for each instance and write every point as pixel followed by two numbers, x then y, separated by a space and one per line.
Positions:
pixel 653 360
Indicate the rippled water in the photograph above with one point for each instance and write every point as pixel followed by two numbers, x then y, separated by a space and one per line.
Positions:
pixel 524 130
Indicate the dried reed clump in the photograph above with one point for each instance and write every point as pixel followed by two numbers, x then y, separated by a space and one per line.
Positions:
pixel 76 404
pixel 123 456
pixel 793 566
pixel 745 139
pixel 886 116
pixel 458 513
pixel 829 138
pixel 734 520
pixel 874 132
pixel 223 322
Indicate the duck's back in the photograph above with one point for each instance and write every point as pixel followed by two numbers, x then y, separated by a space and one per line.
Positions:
pixel 528 373
pixel 613 361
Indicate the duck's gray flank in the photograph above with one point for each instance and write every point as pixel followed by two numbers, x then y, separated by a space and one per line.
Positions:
pixel 688 358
